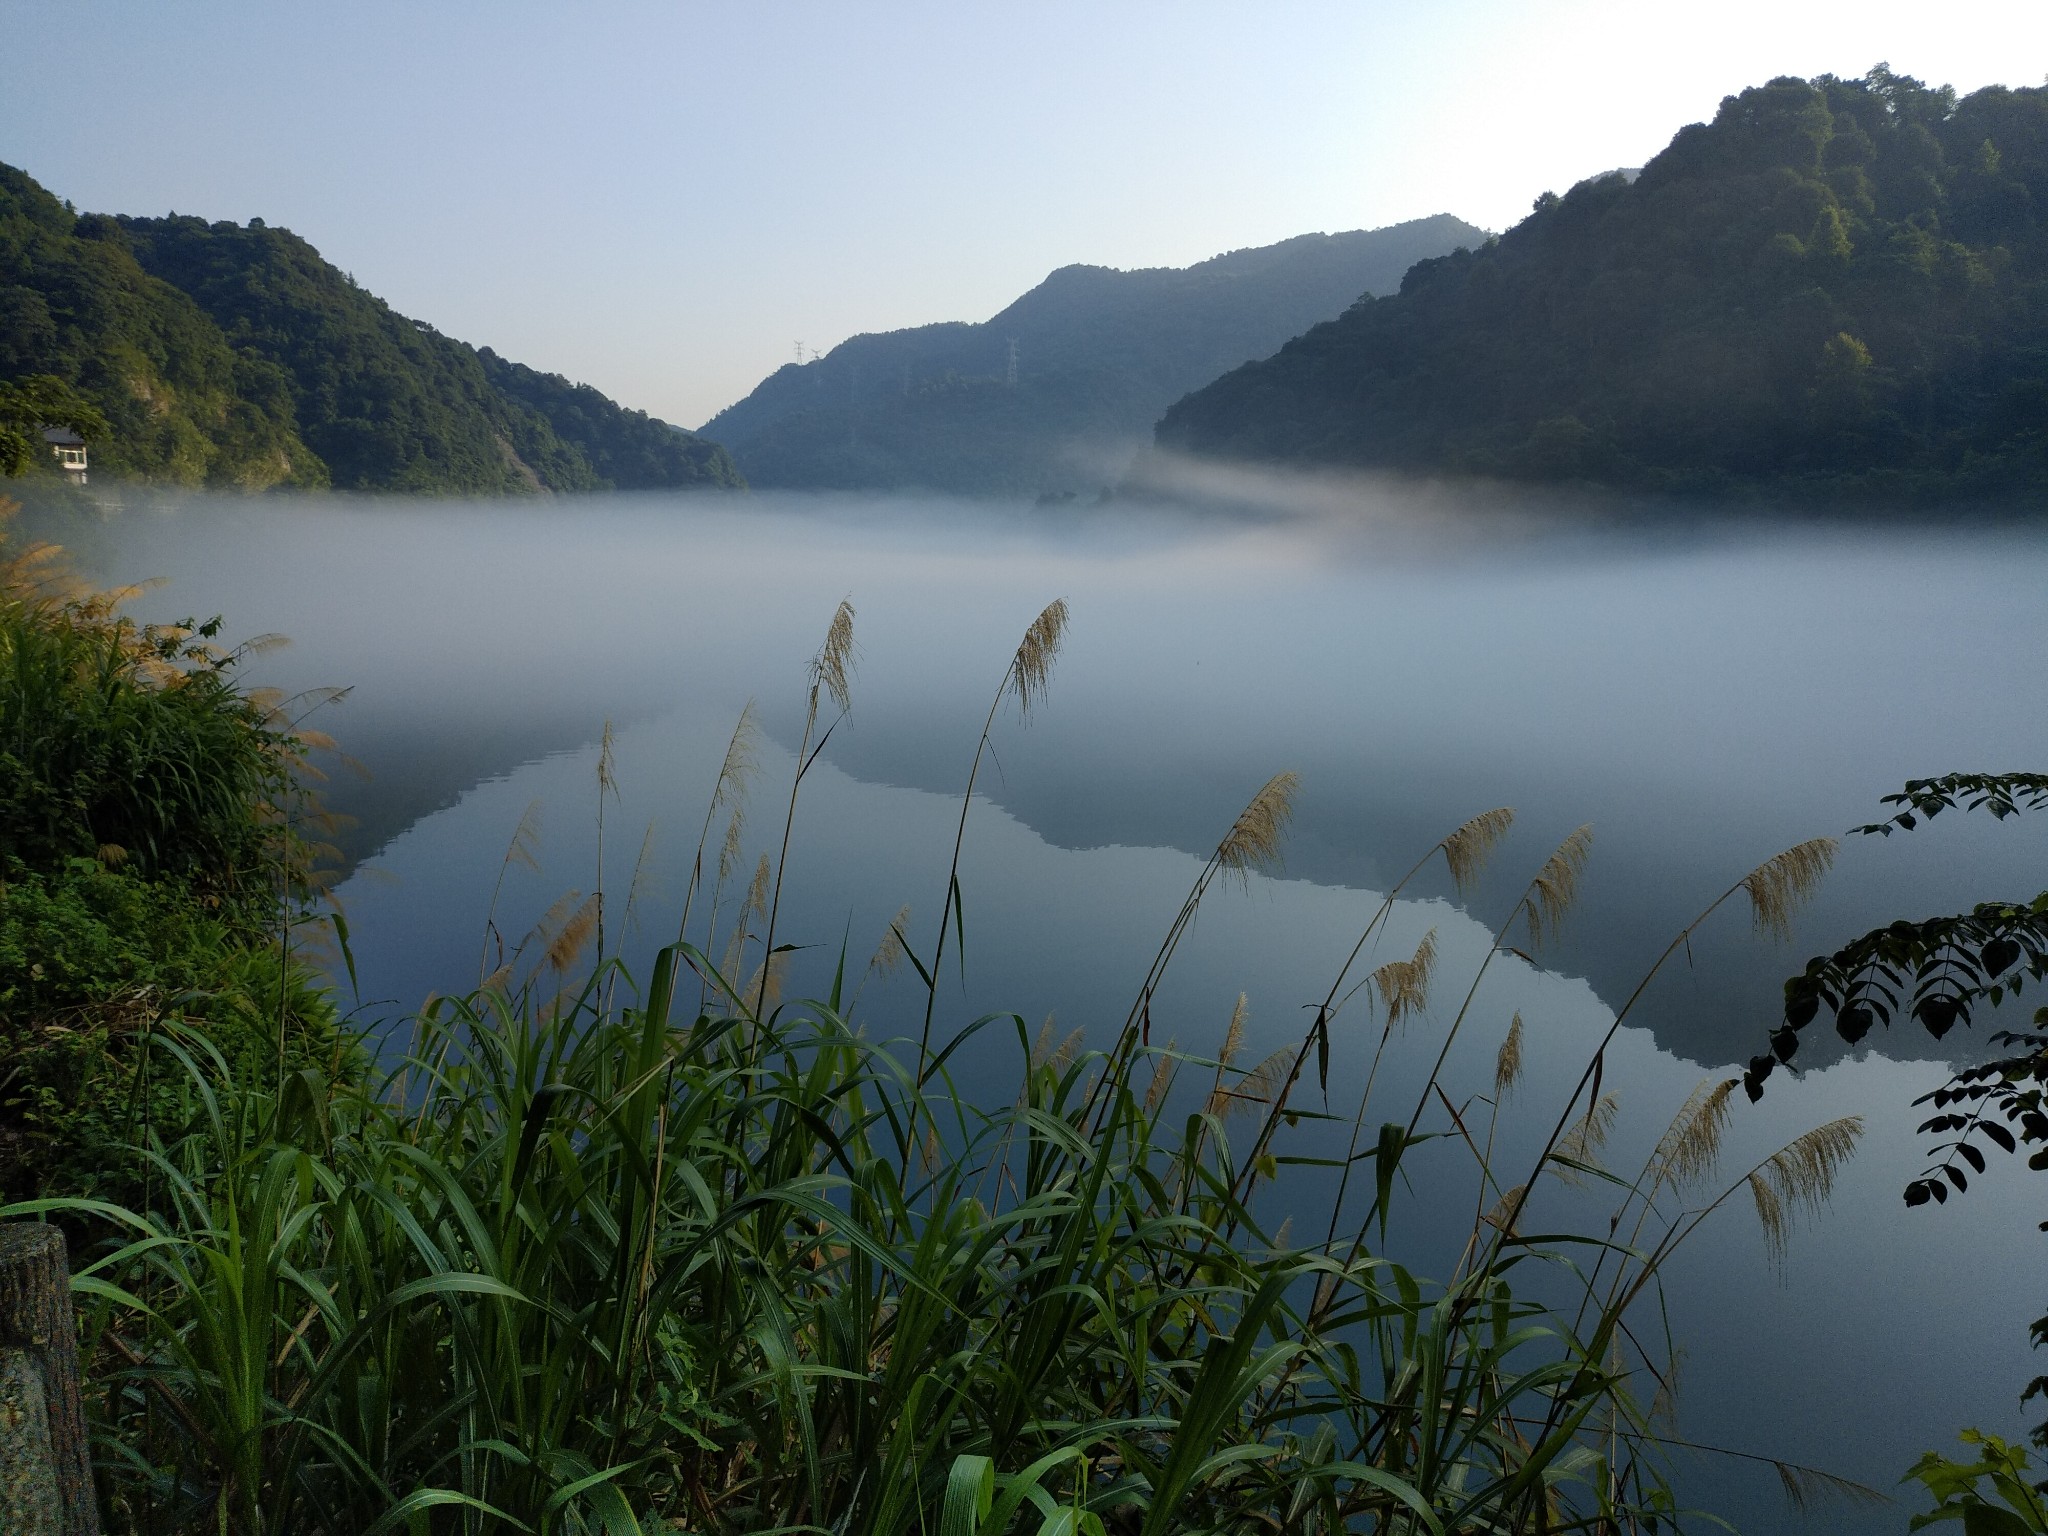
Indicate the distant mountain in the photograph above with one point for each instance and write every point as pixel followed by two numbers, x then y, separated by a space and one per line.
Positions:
pixel 1838 288
pixel 234 355
pixel 1098 354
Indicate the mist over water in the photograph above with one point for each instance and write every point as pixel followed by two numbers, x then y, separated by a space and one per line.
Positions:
pixel 1704 693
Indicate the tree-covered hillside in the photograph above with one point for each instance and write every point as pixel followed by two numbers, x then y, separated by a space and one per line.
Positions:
pixel 1838 287
pixel 392 404
pixel 228 355
pixel 1099 354
pixel 627 449
pixel 181 405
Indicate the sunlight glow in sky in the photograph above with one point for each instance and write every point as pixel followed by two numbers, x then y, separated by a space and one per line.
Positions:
pixel 661 199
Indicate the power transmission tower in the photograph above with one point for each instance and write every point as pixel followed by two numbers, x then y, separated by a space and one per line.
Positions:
pixel 1013 363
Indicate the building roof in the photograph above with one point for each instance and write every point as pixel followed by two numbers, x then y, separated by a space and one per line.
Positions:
pixel 62 437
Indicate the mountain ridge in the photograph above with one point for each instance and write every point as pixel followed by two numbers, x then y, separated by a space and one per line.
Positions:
pixel 236 355
pixel 1100 352
pixel 1836 289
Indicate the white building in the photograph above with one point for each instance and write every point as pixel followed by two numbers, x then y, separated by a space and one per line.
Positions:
pixel 69 448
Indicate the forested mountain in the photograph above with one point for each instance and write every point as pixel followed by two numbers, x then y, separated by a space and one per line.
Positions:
pixel 1837 287
pixel 1099 353
pixel 627 449
pixel 233 355
pixel 181 404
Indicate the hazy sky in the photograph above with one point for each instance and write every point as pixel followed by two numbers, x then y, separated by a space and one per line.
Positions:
pixel 661 199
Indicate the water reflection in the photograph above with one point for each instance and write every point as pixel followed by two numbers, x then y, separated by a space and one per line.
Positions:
pixel 1704 697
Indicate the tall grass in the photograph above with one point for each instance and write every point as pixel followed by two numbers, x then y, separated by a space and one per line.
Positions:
pixel 583 1257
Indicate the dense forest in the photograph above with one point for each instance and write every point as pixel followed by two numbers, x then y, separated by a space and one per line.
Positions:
pixel 1099 353
pixel 233 355
pixel 1837 287
pixel 181 404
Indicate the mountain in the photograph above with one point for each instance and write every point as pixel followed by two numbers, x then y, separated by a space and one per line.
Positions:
pixel 390 403
pixel 181 403
pixel 226 354
pixel 1838 288
pixel 1098 354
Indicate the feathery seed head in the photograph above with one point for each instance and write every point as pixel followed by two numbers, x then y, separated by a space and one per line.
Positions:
pixel 729 849
pixel 1041 1049
pixel 605 781
pixel 643 874
pixel 834 662
pixel 1582 1143
pixel 1497 1218
pixel 567 945
pixel 1253 841
pixel 1799 1177
pixel 1466 849
pixel 1404 984
pixel 1507 1066
pixel 1031 669
pixel 757 890
pixel 1692 1144
pixel 765 985
pixel 1258 1086
pixel 1779 885
pixel 1556 886
pixel 1162 1080
pixel 1233 1036
pixel 741 760
pixel 525 845
pixel 889 953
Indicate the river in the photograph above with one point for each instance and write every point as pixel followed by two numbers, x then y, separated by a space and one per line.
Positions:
pixel 1703 691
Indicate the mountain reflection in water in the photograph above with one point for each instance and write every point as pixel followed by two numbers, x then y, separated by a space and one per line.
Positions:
pixel 1704 694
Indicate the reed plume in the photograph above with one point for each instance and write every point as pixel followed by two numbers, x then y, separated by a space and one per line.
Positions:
pixel 1691 1146
pixel 831 666
pixel 1031 667
pixel 1556 886
pixel 1798 1178
pixel 1028 677
pixel 1162 1080
pixel 765 985
pixel 829 670
pixel 1506 1210
pixel 729 845
pixel 1507 1064
pixel 1253 842
pixel 1466 850
pixel 523 849
pixel 1403 985
pixel 888 954
pixel 1778 886
pixel 1233 1033
pixel 1582 1143
pixel 568 944
pixel 642 876
pixel 1259 1086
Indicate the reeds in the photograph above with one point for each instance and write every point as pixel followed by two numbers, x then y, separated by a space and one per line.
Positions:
pixel 576 1265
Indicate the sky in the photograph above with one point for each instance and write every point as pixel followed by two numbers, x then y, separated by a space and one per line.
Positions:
pixel 664 199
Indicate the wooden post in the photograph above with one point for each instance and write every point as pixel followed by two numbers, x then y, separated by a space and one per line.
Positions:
pixel 36 1323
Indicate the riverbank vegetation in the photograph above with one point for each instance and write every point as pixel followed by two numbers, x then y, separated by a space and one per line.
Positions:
pixel 153 829
pixel 566 1253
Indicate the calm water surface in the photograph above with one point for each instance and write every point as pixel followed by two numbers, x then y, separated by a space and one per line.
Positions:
pixel 1703 697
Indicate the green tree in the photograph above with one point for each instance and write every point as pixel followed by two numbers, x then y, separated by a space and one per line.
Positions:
pixel 31 404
